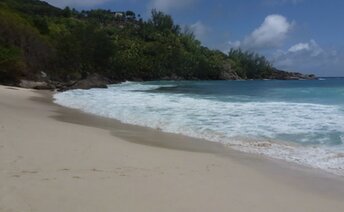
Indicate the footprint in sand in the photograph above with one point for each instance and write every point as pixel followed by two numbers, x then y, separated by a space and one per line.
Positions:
pixel 48 179
pixel 29 172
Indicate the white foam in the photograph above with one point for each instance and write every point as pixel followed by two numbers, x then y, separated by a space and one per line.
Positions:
pixel 230 123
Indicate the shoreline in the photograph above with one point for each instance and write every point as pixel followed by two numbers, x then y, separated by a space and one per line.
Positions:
pixel 158 171
pixel 148 136
pixel 275 136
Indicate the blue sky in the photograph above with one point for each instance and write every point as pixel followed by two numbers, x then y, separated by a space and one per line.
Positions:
pixel 296 35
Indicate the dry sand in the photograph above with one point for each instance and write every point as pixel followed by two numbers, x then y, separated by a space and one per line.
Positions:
pixel 56 159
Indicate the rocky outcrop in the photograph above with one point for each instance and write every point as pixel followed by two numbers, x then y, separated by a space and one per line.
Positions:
pixel 173 77
pixel 39 85
pixel 284 75
pixel 228 73
pixel 97 81
pixel 92 81
pixel 229 76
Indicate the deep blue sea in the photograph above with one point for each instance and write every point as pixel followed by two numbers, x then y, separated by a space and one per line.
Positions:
pixel 297 121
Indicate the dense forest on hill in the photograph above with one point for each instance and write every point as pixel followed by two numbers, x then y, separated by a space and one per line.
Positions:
pixel 38 41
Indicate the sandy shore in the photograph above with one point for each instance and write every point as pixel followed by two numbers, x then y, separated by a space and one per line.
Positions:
pixel 56 159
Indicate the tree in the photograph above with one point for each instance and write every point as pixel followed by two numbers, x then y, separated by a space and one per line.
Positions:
pixel 84 50
pixel 249 65
pixel 163 22
pixel 67 12
pixel 18 33
pixel 69 45
pixel 11 65
pixel 41 24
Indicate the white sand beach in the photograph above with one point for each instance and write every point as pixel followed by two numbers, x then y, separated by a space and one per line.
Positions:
pixel 57 159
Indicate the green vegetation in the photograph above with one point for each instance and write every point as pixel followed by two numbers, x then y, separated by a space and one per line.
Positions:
pixel 66 44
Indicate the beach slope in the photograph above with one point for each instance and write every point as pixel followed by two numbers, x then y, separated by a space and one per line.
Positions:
pixel 55 159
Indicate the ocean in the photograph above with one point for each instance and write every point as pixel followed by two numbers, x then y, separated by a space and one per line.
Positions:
pixel 296 121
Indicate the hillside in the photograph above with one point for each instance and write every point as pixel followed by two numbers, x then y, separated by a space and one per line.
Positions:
pixel 40 42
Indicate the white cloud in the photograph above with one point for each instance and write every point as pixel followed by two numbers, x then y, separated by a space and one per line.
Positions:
pixel 308 56
pixel 199 29
pixel 167 5
pixel 75 3
pixel 311 47
pixel 299 47
pixel 270 34
pixel 234 44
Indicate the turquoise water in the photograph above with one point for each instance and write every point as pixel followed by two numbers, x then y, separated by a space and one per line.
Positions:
pixel 326 92
pixel 297 121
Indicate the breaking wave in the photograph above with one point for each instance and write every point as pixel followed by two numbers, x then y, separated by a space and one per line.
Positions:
pixel 306 133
